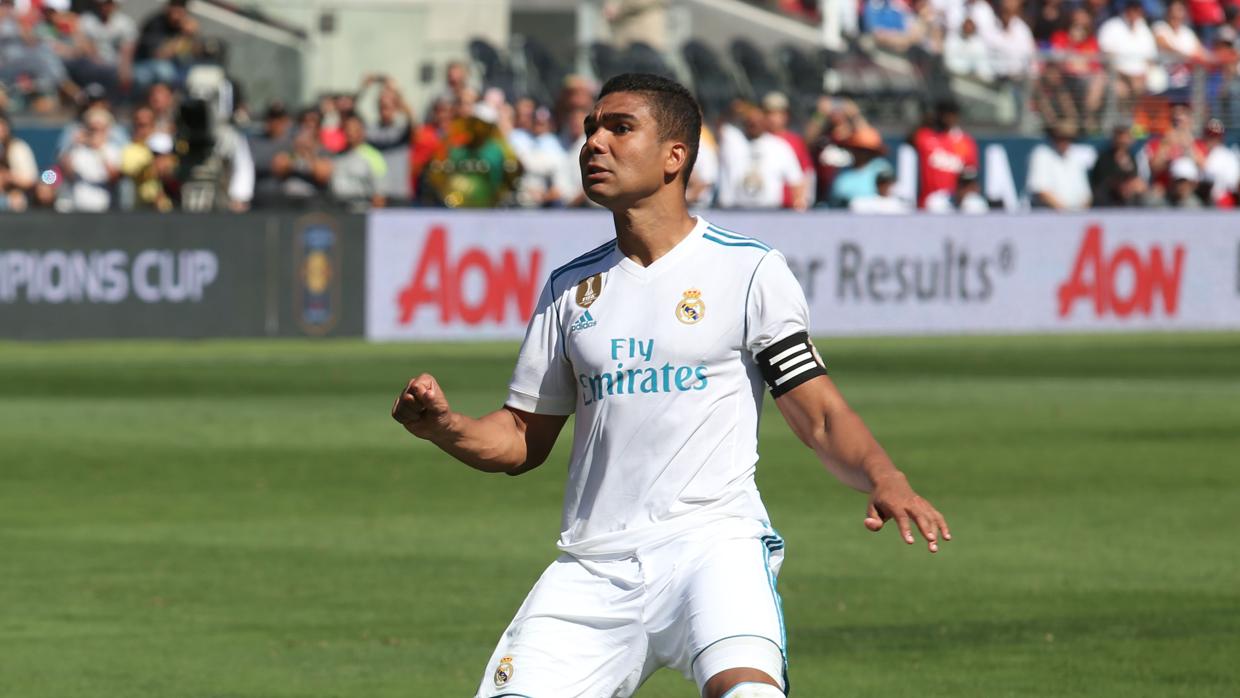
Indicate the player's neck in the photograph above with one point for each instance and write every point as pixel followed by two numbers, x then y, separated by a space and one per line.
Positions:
pixel 645 233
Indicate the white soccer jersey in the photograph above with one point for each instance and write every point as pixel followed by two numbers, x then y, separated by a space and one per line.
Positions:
pixel 659 365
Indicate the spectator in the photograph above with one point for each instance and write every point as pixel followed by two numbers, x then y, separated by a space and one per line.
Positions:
pixel 1176 142
pixel 391 133
pixel 966 54
pixel 572 193
pixel 1221 168
pixel 541 157
pixel 148 166
pixel 18 171
pixel 29 65
pixel 331 125
pixel 1207 16
pixel 944 150
pixel 1128 43
pixel 1225 101
pixel 1049 17
pixel 1173 35
pixel 637 21
pixel 1185 179
pixel 275 139
pixel 357 173
pixel 966 199
pixel 831 127
pixel 775 107
pixel 890 23
pixel 860 180
pixel 164 103
pixel 1011 44
pixel 474 167
pixel 95 96
pixel 705 176
pixel 426 142
pixel 1076 55
pixel 91 165
pixel 1057 180
pixel 883 201
pixel 766 165
pixel 1109 180
pixel 108 39
pixel 456 82
pixel 980 11
pixel 304 172
pixel 168 45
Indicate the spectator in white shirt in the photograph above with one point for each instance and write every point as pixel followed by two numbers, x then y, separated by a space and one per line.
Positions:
pixel 1222 166
pixel 92 164
pixel 965 53
pixel 1126 40
pixel 1175 37
pixel 767 165
pixel 542 158
pixel 1012 47
pixel 1057 179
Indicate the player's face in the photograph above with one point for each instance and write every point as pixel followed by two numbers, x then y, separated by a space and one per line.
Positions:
pixel 622 159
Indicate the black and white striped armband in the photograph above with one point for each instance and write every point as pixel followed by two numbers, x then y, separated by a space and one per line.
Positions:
pixel 790 362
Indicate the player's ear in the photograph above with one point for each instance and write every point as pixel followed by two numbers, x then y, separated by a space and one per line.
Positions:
pixel 677 158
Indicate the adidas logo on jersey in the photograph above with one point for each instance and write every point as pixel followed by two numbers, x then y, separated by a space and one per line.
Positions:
pixel 585 322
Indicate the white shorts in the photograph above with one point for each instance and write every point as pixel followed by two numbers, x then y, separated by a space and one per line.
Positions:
pixel 599 629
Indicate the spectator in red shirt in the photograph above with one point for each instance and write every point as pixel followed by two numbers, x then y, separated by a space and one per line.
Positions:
pixel 427 140
pixel 1077 55
pixel 943 151
pixel 775 106
pixel 1177 142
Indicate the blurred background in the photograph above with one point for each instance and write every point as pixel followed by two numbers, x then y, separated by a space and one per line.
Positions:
pixel 885 105
pixel 230 232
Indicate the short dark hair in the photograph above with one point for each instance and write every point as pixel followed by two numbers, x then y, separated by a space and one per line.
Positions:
pixel 676 112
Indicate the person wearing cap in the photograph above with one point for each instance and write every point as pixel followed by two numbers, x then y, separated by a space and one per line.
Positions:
pixel 1221 167
pixel 944 150
pixel 110 38
pixel 1057 179
pixel 148 166
pixel 1185 180
pixel 775 106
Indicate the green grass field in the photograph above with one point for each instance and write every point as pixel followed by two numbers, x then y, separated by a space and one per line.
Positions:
pixel 238 519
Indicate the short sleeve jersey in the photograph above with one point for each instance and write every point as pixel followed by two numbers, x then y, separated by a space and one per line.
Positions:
pixel 658 363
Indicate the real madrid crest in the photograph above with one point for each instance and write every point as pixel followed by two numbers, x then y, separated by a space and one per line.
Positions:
pixel 503 672
pixel 690 310
pixel 589 290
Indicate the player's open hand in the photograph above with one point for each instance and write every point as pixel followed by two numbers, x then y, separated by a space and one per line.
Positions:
pixel 893 498
pixel 422 409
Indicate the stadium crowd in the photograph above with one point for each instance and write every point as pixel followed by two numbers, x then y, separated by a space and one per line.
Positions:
pixel 159 127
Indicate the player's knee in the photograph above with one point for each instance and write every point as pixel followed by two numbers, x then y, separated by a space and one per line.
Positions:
pixel 753 690
pixel 746 660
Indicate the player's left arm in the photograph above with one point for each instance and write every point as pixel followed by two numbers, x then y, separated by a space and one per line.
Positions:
pixel 822 419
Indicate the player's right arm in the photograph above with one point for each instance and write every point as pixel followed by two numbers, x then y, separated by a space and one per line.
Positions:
pixel 507 440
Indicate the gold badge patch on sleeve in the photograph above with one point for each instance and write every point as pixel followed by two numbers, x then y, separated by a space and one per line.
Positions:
pixel 589 290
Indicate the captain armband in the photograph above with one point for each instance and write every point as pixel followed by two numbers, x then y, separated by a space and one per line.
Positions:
pixel 790 362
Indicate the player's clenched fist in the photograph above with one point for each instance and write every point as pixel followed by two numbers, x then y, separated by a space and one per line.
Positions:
pixel 421 408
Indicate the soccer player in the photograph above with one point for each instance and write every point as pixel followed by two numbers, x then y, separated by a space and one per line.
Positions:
pixel 660 341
